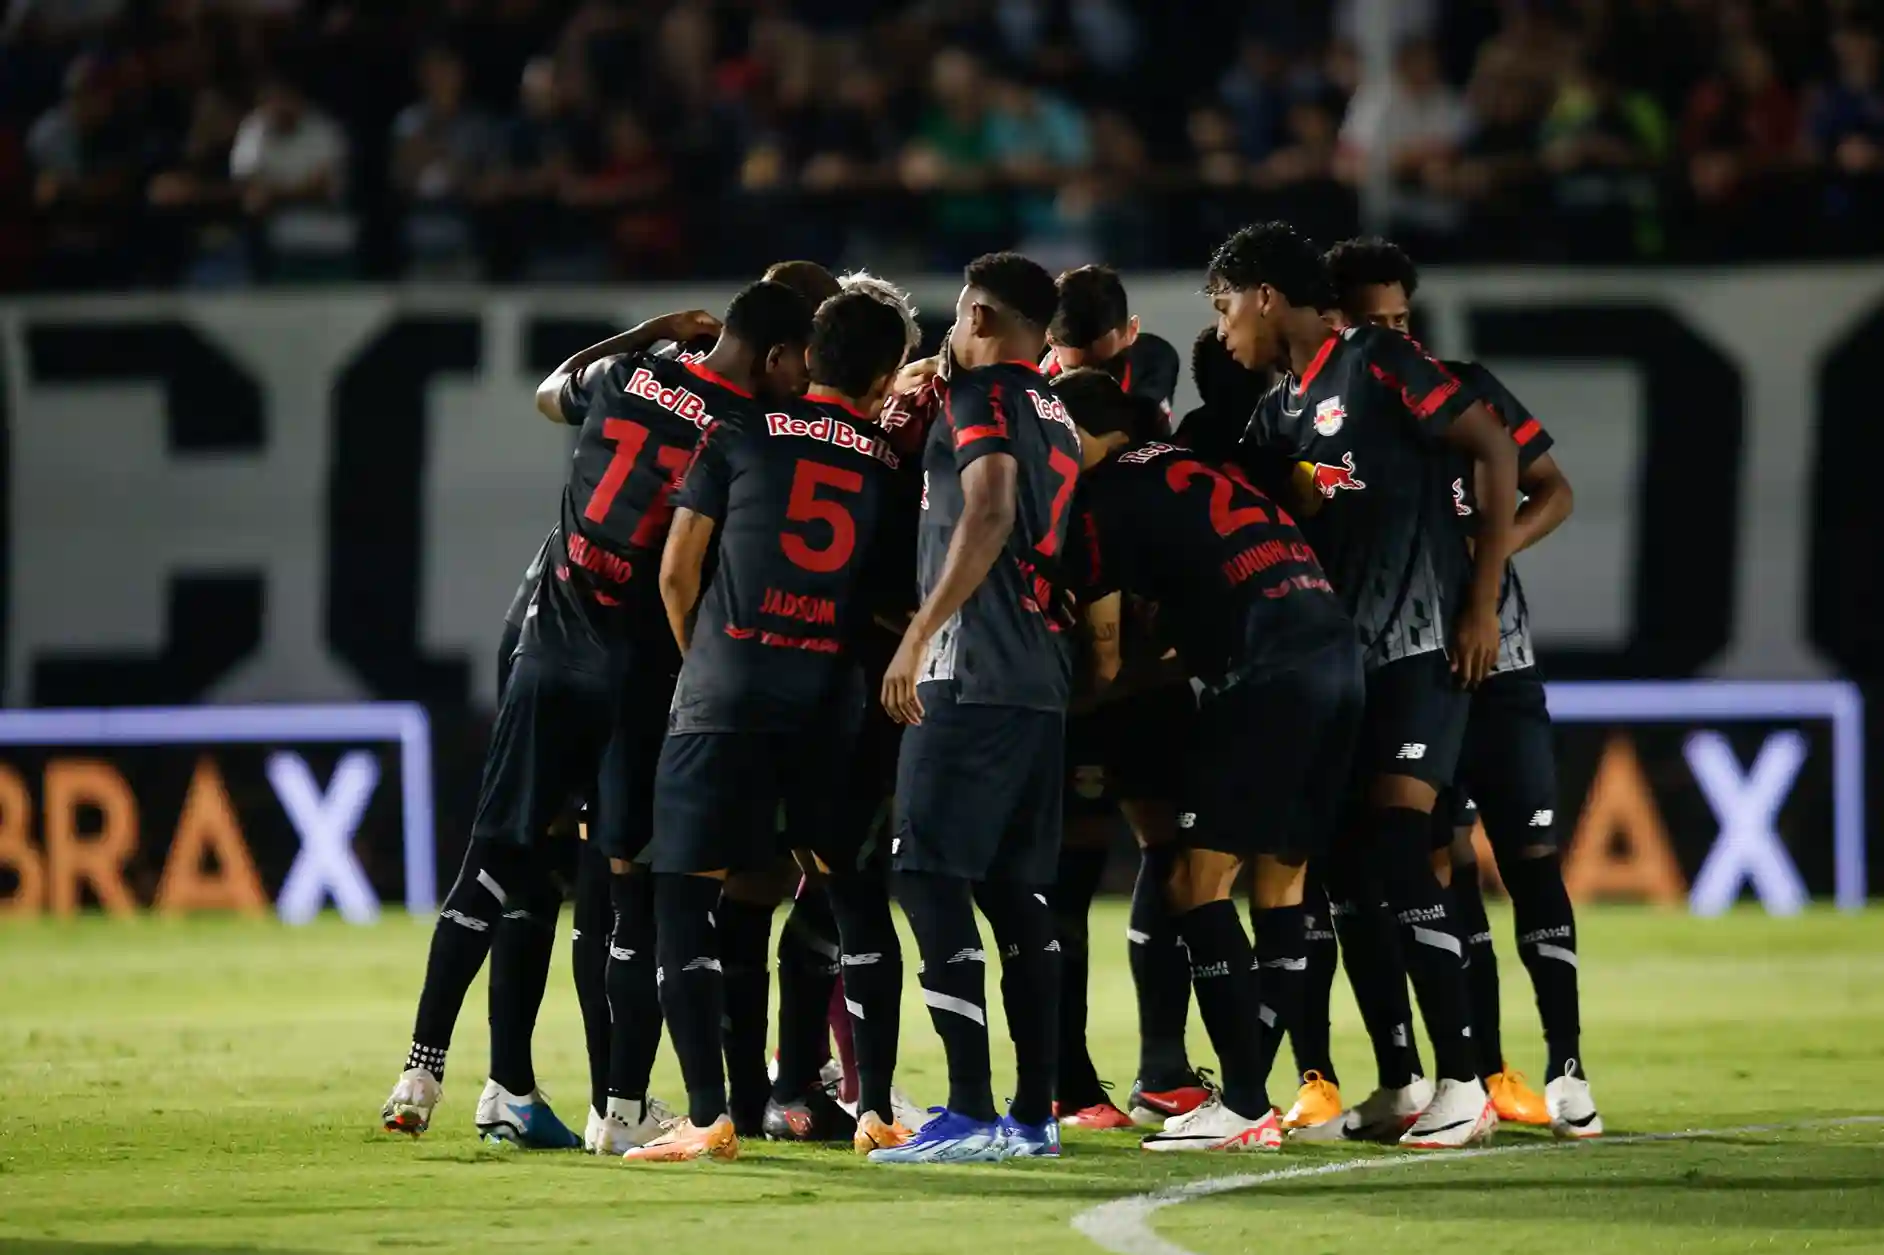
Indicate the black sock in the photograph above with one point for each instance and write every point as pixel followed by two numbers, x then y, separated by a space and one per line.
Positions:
pixel 953 975
pixel 634 995
pixel 807 968
pixel 1309 1035
pixel 873 981
pixel 588 961
pixel 1481 966
pixel 692 987
pixel 1282 962
pixel 1370 954
pixel 1081 867
pixel 460 940
pixel 1030 991
pixel 745 931
pixel 1429 941
pixel 521 950
pixel 1547 942
pixel 1160 974
pixel 1223 971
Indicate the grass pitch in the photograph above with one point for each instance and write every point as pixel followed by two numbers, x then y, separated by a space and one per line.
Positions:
pixel 214 1085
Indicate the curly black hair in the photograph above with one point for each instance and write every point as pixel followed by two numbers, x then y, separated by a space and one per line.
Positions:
pixel 767 314
pixel 855 341
pixel 1367 261
pixel 1020 283
pixel 1274 253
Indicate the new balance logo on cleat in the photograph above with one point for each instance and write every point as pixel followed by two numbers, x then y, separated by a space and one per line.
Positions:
pixel 1411 751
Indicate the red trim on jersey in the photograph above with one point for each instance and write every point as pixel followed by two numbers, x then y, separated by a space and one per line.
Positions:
pixel 968 435
pixel 1317 362
pixel 831 398
pixel 1419 407
pixel 714 377
pixel 1050 364
pixel 1527 431
pixel 1125 380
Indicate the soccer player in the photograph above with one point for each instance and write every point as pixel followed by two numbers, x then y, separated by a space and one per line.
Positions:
pixel 1120 762
pixel 980 681
pixel 588 686
pixel 1508 769
pixel 1277 672
pixel 770 696
pixel 1373 420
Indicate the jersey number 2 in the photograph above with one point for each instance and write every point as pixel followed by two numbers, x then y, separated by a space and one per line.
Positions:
pixel 630 438
pixel 1223 486
pixel 806 506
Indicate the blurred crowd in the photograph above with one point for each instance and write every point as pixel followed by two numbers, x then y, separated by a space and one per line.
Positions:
pixel 227 142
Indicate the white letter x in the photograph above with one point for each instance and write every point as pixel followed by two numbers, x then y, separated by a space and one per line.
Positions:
pixel 1749 847
pixel 326 863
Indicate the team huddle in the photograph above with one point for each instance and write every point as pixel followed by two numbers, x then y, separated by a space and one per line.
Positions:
pixel 823 622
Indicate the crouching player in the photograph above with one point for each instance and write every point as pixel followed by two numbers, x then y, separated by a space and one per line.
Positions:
pixel 1278 675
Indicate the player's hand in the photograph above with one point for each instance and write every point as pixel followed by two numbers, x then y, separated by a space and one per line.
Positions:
pixel 690 324
pixel 1475 645
pixel 915 374
pixel 899 682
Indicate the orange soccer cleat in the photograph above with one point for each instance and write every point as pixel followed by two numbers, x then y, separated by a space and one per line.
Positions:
pixel 873 1134
pixel 682 1140
pixel 1516 1102
pixel 1317 1102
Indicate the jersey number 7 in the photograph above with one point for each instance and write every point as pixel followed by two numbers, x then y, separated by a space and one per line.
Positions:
pixel 806 506
pixel 630 438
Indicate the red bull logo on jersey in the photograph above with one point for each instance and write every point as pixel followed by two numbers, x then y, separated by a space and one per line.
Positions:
pixel 1329 416
pixel 1330 478
pixel 1458 498
pixel 831 431
pixel 1053 410
pixel 682 401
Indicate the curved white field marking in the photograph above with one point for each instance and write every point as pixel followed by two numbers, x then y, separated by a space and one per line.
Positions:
pixel 1123 1226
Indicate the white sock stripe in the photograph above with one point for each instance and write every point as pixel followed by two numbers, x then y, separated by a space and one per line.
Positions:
pixel 1137 938
pixel 1267 1014
pixel 497 890
pixel 960 1006
pixel 860 960
pixel 1438 940
pixel 619 952
pixel 1289 965
pixel 1559 953
pixel 855 1009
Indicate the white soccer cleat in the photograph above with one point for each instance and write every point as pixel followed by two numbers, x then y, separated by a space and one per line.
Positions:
pixel 409 1107
pixel 1382 1116
pixel 906 1112
pixel 616 1135
pixel 1572 1110
pixel 1214 1126
pixel 1460 1114
pixel 522 1120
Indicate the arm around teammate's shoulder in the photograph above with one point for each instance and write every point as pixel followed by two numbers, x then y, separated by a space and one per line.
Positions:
pixel 563 396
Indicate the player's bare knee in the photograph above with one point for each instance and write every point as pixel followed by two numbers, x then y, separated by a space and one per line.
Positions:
pixel 1442 866
pixel 1279 881
pixel 1403 792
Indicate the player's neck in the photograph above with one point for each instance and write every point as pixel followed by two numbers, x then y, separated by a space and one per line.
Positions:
pixel 729 362
pixel 1011 352
pixel 1306 345
pixel 858 406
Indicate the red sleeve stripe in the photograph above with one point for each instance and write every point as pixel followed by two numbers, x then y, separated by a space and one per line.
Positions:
pixel 968 435
pixel 1527 432
pixel 1429 405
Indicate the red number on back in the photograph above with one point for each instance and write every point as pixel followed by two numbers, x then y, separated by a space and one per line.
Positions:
pixel 630 439
pixel 806 506
pixel 1223 486
pixel 1067 468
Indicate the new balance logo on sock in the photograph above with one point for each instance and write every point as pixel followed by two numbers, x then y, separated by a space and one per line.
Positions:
pixel 621 954
pixel 1010 952
pixel 862 960
pixel 1053 947
pixel 1411 750
pixel 1480 939
pixel 705 963
pixel 472 922
pixel 969 956
pixel 1543 819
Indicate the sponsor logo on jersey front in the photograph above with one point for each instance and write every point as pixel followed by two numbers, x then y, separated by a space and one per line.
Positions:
pixel 1329 416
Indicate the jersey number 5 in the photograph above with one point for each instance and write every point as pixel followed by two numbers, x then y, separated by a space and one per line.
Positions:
pixel 630 438
pixel 806 506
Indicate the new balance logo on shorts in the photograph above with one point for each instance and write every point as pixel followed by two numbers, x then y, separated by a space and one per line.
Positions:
pixel 1411 750
pixel 1543 819
pixel 1187 820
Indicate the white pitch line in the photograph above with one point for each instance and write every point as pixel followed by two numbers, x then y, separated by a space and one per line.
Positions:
pixel 1123 1226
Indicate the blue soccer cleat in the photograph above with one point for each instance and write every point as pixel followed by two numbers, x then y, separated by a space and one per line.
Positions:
pixel 523 1120
pixel 948 1138
pixel 1014 1140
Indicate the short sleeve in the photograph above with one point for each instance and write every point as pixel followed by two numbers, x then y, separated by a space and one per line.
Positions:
pixel 707 481
pixel 1432 395
pixel 979 420
pixel 1527 432
pixel 579 388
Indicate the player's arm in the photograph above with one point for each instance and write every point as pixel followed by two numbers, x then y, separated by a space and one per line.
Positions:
pixel 1106 657
pixel 578 374
pixel 989 489
pixel 682 561
pixel 1548 500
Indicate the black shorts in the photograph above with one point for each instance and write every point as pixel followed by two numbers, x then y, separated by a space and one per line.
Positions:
pixel 562 733
pixel 1130 750
pixel 1270 759
pixel 1509 763
pixel 1455 811
pixel 1415 722
pixel 978 791
pixel 717 797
